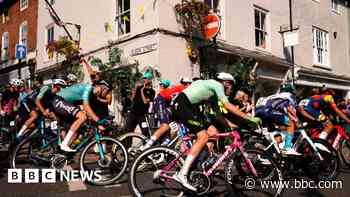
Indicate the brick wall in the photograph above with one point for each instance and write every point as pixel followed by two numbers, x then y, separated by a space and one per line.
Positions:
pixel 16 18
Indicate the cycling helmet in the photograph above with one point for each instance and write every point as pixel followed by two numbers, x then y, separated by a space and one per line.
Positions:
pixel 287 88
pixel 59 82
pixel 72 77
pixel 16 82
pixel 185 80
pixel 105 83
pixel 328 91
pixel 225 77
pixel 166 83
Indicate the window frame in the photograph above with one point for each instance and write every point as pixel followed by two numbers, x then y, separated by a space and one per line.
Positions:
pixel 335 6
pixel 48 27
pixel 321 37
pixel 120 22
pixel 2 46
pixel 264 31
pixel 25 6
pixel 22 25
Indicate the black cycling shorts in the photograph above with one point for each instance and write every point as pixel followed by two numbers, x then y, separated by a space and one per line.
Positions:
pixel 188 114
pixel 25 108
pixel 63 109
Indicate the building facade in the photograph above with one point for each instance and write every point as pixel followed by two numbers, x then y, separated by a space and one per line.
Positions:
pixel 252 29
pixel 18 25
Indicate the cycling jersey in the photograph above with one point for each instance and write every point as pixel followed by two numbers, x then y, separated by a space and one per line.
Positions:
pixel 274 108
pixel 45 95
pixel 169 93
pixel 319 105
pixel 202 90
pixel 76 94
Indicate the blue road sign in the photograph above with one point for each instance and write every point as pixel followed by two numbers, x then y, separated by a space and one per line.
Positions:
pixel 21 51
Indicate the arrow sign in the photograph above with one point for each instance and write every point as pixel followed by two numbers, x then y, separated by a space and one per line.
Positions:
pixel 21 51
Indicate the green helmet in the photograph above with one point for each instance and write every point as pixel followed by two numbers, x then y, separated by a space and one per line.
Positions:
pixel 287 88
pixel 166 83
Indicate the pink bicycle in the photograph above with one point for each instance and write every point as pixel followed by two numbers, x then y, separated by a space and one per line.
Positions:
pixel 152 171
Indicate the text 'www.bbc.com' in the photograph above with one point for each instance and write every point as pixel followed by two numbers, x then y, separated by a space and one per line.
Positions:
pixel 292 184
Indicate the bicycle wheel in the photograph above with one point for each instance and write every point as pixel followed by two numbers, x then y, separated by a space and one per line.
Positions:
pixel 132 142
pixel 241 179
pixel 34 152
pixel 326 169
pixel 344 150
pixel 144 179
pixel 108 158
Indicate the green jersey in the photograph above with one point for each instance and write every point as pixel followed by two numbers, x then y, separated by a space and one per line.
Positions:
pixel 202 90
pixel 76 94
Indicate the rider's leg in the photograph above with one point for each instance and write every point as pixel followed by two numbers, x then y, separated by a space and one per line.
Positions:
pixel 289 134
pixel 326 131
pixel 164 127
pixel 28 123
pixel 81 118
pixel 212 131
pixel 202 139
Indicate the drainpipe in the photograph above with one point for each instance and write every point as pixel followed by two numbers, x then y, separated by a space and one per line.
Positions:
pixel 292 47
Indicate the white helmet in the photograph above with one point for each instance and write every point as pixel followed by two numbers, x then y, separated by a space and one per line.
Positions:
pixel 72 77
pixel 59 82
pixel 185 80
pixel 16 82
pixel 225 76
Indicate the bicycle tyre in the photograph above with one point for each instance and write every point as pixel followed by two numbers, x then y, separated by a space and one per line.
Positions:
pixel 116 146
pixel 133 187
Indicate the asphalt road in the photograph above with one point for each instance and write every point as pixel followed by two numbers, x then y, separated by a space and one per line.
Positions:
pixel 79 189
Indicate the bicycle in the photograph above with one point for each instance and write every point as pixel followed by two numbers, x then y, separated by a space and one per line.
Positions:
pixel 171 161
pixel 96 153
pixel 339 140
pixel 319 159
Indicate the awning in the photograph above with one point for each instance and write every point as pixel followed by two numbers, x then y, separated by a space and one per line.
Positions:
pixel 257 55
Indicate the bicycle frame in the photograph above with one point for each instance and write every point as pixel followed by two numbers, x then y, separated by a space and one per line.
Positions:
pixel 232 148
pixel 341 135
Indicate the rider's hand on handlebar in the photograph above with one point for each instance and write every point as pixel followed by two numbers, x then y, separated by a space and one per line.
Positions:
pixel 101 128
pixel 255 120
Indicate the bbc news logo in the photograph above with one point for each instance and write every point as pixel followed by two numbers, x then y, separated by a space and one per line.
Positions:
pixel 51 175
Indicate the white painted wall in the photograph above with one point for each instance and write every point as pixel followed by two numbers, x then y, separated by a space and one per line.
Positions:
pixel 90 14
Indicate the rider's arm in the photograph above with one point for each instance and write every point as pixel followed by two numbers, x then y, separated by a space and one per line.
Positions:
pixel 86 105
pixel 329 99
pixel 41 94
pixel 305 114
pixel 234 110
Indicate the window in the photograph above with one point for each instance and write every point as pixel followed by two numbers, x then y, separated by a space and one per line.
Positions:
pixel 23 4
pixel 213 4
pixel 123 17
pixel 50 34
pixel 260 28
pixel 5 16
pixel 335 5
pixel 320 47
pixel 23 33
pixel 5 46
pixel 50 37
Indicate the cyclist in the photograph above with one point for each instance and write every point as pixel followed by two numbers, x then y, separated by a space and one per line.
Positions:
pixel 28 112
pixel 280 109
pixel 10 98
pixel 65 105
pixel 185 110
pixel 161 106
pixel 320 108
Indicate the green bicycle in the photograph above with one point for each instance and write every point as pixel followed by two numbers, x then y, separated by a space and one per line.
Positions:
pixel 97 153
